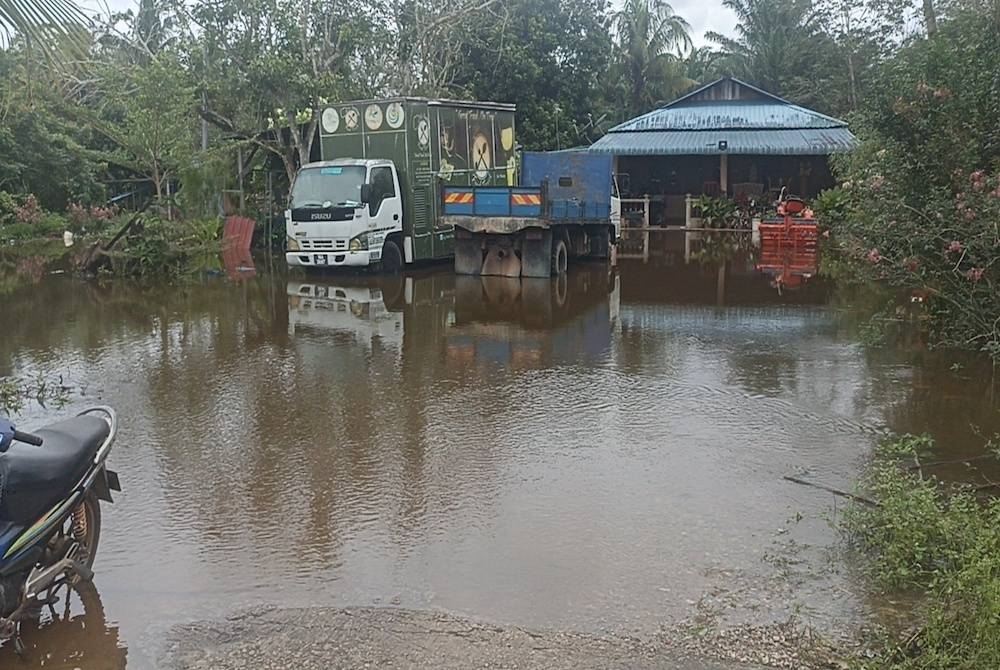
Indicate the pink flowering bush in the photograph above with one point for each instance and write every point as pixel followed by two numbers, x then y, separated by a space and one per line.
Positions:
pixel 921 193
pixel 30 212
pixel 82 217
pixel 948 249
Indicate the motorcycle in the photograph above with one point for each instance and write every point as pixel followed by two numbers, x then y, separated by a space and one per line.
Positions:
pixel 51 486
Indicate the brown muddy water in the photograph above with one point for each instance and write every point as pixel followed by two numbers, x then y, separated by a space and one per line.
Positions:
pixel 603 453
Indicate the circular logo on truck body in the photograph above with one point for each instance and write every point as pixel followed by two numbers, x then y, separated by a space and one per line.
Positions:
pixel 423 132
pixel 351 118
pixel 330 120
pixel 373 117
pixel 394 115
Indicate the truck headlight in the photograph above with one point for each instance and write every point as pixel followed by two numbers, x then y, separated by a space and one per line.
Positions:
pixel 291 244
pixel 359 243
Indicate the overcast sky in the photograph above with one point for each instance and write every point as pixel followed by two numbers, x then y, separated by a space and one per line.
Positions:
pixel 703 15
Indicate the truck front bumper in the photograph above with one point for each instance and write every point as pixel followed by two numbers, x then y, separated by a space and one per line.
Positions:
pixel 312 259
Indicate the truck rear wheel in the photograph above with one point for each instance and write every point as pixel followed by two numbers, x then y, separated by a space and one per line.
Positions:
pixel 392 256
pixel 560 257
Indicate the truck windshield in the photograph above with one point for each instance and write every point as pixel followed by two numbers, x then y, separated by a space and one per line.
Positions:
pixel 336 186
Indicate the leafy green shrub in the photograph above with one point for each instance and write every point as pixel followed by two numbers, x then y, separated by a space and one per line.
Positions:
pixel 719 247
pixel 717 212
pixel 204 231
pixel 945 541
pixel 16 231
pixel 832 207
pixel 7 206
pixel 51 224
pixel 158 247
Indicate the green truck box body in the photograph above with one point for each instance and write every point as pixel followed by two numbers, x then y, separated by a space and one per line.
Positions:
pixel 432 143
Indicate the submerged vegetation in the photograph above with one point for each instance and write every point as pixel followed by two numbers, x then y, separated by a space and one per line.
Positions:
pixel 33 241
pixel 938 538
pixel 16 392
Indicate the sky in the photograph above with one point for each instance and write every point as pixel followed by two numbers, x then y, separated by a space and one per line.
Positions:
pixel 703 15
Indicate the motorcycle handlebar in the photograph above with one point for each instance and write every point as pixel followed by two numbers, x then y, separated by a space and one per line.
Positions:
pixel 27 438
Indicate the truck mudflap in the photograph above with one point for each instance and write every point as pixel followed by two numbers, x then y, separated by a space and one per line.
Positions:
pixel 526 253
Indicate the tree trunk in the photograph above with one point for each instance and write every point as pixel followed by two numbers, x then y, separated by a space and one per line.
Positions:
pixel 303 145
pixel 289 164
pixel 157 182
pixel 852 76
pixel 930 18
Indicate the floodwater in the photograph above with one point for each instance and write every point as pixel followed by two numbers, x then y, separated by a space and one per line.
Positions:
pixel 599 453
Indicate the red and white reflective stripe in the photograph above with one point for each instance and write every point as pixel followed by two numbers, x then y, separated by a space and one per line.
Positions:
pixel 459 198
pixel 525 199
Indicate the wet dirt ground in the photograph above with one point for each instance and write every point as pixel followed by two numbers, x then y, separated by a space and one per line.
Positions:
pixel 599 456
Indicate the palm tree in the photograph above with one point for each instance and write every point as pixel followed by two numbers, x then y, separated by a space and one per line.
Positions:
pixel 43 24
pixel 772 41
pixel 702 64
pixel 651 39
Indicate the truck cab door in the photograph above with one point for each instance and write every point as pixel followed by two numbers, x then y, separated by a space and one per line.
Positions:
pixel 385 207
pixel 616 209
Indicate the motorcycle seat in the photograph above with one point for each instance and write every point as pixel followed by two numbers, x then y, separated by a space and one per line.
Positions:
pixel 33 480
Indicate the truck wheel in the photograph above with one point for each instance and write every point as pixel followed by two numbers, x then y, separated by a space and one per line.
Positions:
pixel 392 256
pixel 560 257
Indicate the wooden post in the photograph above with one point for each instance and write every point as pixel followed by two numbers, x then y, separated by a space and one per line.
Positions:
pixel 724 174
pixel 687 224
pixel 645 229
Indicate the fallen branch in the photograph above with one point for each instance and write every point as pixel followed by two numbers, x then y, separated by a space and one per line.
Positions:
pixel 954 461
pixel 986 487
pixel 835 491
pixel 97 255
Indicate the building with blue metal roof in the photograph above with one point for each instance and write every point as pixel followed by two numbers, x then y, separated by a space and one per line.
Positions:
pixel 727 137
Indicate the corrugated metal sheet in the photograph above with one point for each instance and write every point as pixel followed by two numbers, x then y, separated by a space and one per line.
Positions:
pixel 748 119
pixel 734 115
pixel 571 175
pixel 800 142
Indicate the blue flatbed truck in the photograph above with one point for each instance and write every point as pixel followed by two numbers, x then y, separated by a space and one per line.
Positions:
pixel 567 207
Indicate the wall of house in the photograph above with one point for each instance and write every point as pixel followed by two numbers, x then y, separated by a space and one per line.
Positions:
pixel 668 179
pixel 805 176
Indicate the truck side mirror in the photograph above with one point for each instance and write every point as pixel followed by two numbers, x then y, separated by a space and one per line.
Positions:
pixel 366 193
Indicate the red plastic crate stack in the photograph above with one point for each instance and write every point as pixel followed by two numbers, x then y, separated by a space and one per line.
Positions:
pixel 788 247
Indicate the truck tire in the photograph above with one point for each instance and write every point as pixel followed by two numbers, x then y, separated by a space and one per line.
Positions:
pixel 560 257
pixel 392 256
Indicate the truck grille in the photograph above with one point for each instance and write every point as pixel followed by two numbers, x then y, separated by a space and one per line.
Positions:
pixel 322 245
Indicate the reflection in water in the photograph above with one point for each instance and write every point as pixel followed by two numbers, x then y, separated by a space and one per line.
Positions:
pixel 74 633
pixel 591 453
pixel 534 322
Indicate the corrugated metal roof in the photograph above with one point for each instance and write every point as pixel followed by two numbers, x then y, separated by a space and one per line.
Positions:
pixel 733 115
pixel 784 142
pixel 748 119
